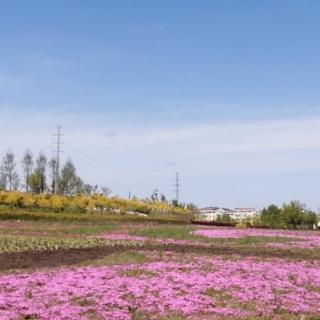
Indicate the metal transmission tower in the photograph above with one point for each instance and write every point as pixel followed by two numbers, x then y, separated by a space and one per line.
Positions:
pixel 58 151
pixel 177 186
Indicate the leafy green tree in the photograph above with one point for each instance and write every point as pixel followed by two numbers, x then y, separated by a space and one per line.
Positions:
pixel 293 214
pixel 272 216
pixel 36 182
pixel 41 163
pixel 69 183
pixel 310 219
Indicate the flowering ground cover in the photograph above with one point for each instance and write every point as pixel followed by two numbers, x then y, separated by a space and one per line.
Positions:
pixel 152 271
pixel 301 239
pixel 129 237
pixel 188 288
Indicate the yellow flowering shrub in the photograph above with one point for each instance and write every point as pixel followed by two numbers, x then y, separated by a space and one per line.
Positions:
pixel 82 203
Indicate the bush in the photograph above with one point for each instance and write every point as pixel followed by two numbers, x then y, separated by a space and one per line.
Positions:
pixel 81 204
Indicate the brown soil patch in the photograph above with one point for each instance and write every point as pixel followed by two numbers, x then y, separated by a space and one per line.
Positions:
pixel 69 257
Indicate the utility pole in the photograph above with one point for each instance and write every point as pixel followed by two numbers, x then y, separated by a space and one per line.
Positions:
pixel 58 151
pixel 129 194
pixel 177 186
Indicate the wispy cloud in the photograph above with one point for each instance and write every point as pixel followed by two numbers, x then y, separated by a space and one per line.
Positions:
pixel 226 138
pixel 123 156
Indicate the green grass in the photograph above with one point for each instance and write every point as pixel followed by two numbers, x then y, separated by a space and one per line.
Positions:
pixel 253 240
pixel 166 232
pixel 184 233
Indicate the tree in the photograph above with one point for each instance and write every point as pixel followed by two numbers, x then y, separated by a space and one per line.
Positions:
pixel 163 198
pixel 225 218
pixel 27 164
pixel 53 168
pixel 41 163
pixel 154 196
pixel 175 203
pixel 192 207
pixel 69 183
pixel 7 169
pixel 15 181
pixel 36 182
pixel 293 213
pixel 89 189
pixel 310 219
pixel 106 191
pixel 271 216
pixel 3 181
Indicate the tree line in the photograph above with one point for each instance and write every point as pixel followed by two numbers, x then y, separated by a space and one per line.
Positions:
pixel 40 176
pixel 291 215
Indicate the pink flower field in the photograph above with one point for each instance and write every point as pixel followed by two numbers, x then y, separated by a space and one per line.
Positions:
pixel 128 237
pixel 300 239
pixel 163 272
pixel 191 287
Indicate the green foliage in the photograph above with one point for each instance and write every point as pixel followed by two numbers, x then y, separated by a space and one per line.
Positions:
pixel 225 218
pixel 271 216
pixel 310 218
pixel 36 182
pixel 295 214
pixel 69 183
pixel 291 215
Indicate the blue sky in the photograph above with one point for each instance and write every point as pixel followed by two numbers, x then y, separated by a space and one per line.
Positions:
pixel 225 92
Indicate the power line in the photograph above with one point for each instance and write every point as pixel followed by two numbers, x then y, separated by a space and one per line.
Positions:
pixel 58 151
pixel 177 186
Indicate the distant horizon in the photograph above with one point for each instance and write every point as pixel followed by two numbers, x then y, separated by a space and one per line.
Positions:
pixel 224 92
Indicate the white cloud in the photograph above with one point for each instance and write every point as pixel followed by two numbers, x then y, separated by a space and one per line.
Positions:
pixel 138 156
pixel 224 138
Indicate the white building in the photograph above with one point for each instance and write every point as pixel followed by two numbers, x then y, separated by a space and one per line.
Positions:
pixel 212 213
pixel 238 214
